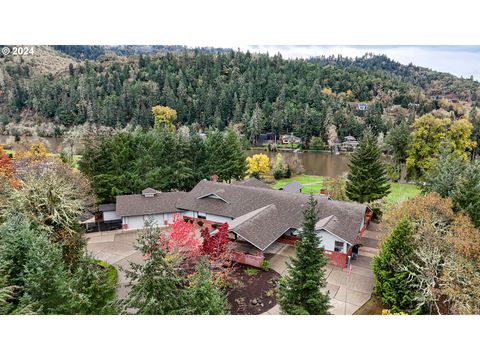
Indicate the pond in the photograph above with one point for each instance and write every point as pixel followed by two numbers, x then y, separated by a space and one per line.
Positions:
pixel 314 163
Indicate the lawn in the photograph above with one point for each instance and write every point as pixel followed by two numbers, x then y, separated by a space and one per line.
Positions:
pixel 402 192
pixel 313 184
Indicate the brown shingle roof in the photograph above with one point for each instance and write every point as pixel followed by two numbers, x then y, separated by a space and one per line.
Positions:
pixel 289 207
pixel 292 187
pixel 131 205
pixel 254 182
pixel 260 227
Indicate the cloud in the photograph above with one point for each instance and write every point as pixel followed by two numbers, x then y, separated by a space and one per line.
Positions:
pixel 457 60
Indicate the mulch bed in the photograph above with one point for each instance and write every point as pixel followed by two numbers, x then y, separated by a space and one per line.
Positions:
pixel 252 294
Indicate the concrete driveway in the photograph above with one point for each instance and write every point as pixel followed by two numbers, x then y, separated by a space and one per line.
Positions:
pixel 117 248
pixel 348 291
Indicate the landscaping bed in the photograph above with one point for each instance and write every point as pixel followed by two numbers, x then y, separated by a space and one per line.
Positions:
pixel 253 290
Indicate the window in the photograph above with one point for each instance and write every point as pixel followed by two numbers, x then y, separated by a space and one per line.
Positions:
pixel 338 246
pixel 202 215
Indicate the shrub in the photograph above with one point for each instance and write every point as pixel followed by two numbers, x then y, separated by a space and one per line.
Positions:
pixel 317 144
pixel 200 223
pixel 251 271
pixel 214 226
pixel 265 265
pixel 278 174
pixel 288 172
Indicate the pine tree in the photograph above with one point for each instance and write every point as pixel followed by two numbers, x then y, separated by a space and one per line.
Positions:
pixel 367 180
pixel 445 174
pixel 203 297
pixel 391 284
pixel 234 160
pixel 466 195
pixel 300 290
pixel 156 284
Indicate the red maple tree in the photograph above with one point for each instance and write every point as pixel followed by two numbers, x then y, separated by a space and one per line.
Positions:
pixel 181 238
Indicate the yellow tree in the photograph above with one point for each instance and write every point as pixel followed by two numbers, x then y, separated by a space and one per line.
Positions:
pixel 459 137
pixel 164 116
pixel 258 164
pixel 35 152
pixel 428 133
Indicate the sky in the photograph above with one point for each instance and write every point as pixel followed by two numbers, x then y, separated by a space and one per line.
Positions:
pixel 458 60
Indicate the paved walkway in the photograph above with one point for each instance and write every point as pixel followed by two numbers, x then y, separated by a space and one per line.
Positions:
pixel 347 291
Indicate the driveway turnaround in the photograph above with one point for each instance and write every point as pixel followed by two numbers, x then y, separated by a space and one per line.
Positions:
pixel 117 248
pixel 348 290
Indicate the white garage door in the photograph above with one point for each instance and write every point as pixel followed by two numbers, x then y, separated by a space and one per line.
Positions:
pixel 135 222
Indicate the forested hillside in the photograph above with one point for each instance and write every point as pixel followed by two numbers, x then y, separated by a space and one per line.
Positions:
pixel 315 97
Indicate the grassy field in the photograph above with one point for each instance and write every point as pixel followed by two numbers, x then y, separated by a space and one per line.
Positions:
pixel 313 184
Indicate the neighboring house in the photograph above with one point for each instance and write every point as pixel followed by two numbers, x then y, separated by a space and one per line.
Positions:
pixel 291 139
pixel 259 217
pixel 293 187
pixel 349 143
pixel 266 138
pixel 359 107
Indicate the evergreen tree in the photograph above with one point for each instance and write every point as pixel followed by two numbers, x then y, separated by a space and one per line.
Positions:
pixel 234 160
pixel 397 142
pixel 466 195
pixel 367 180
pixel 391 284
pixel 203 297
pixel 156 284
pixel 445 174
pixel 300 290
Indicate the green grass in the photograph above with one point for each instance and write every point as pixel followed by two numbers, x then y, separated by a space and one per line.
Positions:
pixel 251 271
pixel 313 184
pixel 402 192
pixel 112 276
pixel 371 307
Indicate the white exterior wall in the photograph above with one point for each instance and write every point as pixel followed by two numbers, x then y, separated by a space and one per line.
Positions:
pixel 217 218
pixel 189 213
pixel 138 222
pixel 328 241
pixel 133 222
pixel 110 215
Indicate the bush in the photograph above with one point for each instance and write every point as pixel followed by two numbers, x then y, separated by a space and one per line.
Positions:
pixel 265 265
pixel 251 271
pixel 288 172
pixel 200 223
pixel 214 226
pixel 278 174
pixel 393 172
pixel 316 144
pixel 112 276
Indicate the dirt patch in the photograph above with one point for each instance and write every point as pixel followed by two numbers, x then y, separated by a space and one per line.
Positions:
pixel 253 290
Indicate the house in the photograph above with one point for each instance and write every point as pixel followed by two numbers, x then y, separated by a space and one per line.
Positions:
pixel 260 218
pixel 293 187
pixel 349 143
pixel 109 212
pixel 135 209
pixel 359 107
pixel 265 139
pixel 290 139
